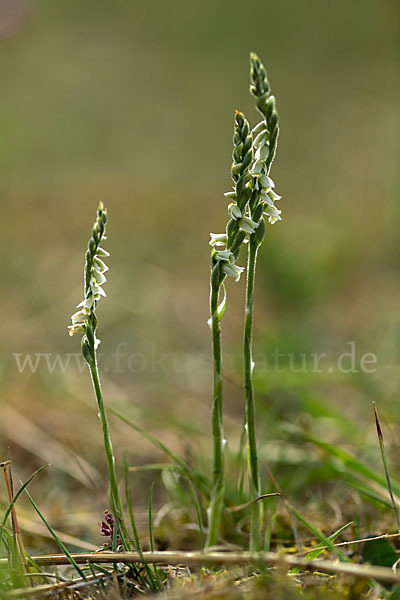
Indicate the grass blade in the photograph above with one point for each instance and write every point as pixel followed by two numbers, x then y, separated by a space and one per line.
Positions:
pixel 322 538
pixel 352 463
pixel 136 540
pixel 17 495
pixel 56 538
pixel 156 572
pixel 320 548
pixel 201 482
pixel 198 511
pixel 385 465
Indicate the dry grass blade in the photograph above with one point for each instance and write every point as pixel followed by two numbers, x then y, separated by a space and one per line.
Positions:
pixel 16 530
pixel 54 588
pixel 384 536
pixel 37 528
pixel 232 509
pixel 36 440
pixel 17 495
pixel 382 574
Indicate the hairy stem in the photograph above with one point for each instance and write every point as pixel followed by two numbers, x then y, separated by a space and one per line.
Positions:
pixel 115 498
pixel 254 476
pixel 217 493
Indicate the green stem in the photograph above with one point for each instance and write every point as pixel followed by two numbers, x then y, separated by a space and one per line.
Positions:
pixel 115 498
pixel 217 492
pixel 254 476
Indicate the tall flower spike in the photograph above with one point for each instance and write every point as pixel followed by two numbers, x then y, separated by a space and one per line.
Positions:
pixel 84 320
pixel 262 202
pixel 225 250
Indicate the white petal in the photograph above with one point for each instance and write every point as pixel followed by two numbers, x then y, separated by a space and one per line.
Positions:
pixel 101 266
pixel 263 151
pixel 234 211
pixel 75 329
pixel 97 291
pixel 273 195
pixel 99 277
pixel 87 303
pixel 266 182
pixel 80 316
pixel 258 168
pixel 223 255
pixel 232 270
pixel 218 239
pixel 101 252
pixel 248 225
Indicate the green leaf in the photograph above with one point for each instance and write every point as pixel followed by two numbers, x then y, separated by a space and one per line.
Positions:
pixel 323 539
pixel 320 548
pixel 60 544
pixel 222 305
pixel 380 553
pixel 353 464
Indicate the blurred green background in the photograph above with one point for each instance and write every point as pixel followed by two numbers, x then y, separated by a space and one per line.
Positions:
pixel 132 103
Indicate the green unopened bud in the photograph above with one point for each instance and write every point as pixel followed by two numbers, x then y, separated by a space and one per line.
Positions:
pixel 93 320
pixel 216 275
pixel 244 132
pixel 247 160
pixel 261 138
pixel 264 152
pixel 237 241
pixel 237 152
pixel 90 336
pixel 247 146
pixel 273 121
pixel 270 107
pixel 96 233
pixel 92 246
pixel 86 351
pixel 257 212
pixel 259 128
pixel 236 168
pixel 260 232
pixel 231 228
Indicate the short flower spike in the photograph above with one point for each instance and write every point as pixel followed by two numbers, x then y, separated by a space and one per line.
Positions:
pixel 84 320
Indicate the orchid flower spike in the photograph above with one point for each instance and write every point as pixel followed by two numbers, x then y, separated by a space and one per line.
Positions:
pixel 84 320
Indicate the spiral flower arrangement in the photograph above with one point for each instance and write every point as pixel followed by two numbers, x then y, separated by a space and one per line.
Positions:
pixel 252 198
pixel 226 246
pixel 265 142
pixel 84 320
pixel 262 203
pixel 225 251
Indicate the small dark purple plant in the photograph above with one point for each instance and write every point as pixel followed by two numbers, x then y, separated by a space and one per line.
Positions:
pixel 107 527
